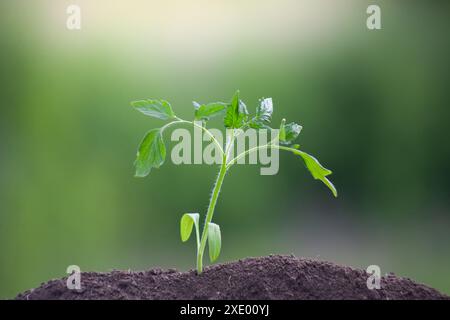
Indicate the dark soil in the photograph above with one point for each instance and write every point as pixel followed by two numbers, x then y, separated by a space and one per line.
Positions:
pixel 273 277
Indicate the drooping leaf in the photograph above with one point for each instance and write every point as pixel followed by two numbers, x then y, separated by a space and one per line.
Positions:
pixel 316 169
pixel 188 220
pixel 236 114
pixel 214 241
pixel 207 111
pixel 160 109
pixel 151 153
pixel 289 132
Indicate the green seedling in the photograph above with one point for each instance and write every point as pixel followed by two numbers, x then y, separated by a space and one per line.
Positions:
pixel 152 152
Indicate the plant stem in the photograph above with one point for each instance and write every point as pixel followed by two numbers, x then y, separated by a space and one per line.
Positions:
pixel 268 146
pixel 210 213
pixel 179 120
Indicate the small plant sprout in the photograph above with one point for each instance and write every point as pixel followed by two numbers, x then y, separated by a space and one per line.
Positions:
pixel 152 152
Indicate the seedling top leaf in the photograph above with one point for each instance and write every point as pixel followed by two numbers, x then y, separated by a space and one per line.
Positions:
pixel 236 115
pixel 207 111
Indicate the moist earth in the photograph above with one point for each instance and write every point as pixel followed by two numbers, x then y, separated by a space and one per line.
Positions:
pixel 272 277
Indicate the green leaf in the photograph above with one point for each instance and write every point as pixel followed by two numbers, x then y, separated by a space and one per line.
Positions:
pixel 188 220
pixel 160 109
pixel 282 132
pixel 317 170
pixel 265 110
pixel 236 114
pixel 214 241
pixel 289 132
pixel 255 124
pixel 263 115
pixel 151 153
pixel 207 111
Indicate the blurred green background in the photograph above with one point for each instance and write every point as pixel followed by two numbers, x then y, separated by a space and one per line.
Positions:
pixel 374 106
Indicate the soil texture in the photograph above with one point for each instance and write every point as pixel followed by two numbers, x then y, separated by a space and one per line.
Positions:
pixel 272 277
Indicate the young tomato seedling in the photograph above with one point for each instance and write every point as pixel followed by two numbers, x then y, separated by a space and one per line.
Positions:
pixel 236 119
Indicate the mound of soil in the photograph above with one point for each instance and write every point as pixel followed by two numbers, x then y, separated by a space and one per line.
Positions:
pixel 273 277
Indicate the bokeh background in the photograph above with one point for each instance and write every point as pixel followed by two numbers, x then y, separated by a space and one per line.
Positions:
pixel 374 106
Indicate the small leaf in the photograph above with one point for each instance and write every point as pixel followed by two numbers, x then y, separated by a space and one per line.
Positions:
pixel 214 241
pixel 151 153
pixel 289 132
pixel 282 132
pixel 243 109
pixel 207 111
pixel 317 170
pixel 265 110
pixel 188 220
pixel 160 109
pixel 236 114
pixel 263 115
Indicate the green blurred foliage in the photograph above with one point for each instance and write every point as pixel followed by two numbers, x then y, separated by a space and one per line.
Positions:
pixel 374 106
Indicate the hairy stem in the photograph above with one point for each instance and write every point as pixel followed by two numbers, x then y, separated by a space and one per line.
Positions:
pixel 210 213
pixel 213 200
pixel 205 130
